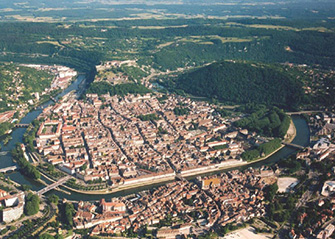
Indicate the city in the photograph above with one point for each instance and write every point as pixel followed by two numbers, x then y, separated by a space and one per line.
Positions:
pixel 167 119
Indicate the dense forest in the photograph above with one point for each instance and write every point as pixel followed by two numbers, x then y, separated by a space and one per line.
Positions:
pixel 102 88
pixel 171 44
pixel 241 83
pixel 271 123
pixel 25 167
pixel 4 127
pixel 168 44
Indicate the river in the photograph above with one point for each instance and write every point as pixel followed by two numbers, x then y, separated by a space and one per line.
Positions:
pixel 302 138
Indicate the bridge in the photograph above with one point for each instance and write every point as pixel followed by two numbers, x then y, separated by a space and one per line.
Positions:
pixel 3 153
pixel 307 112
pixel 22 125
pixel 53 186
pixel 180 177
pixel 53 99
pixel 8 169
pixel 294 145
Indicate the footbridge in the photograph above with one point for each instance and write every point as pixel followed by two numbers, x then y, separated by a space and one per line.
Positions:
pixel 53 186
pixel 8 169
pixel 3 153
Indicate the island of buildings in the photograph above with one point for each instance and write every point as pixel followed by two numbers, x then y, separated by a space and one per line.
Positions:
pixel 139 139
pixel 132 140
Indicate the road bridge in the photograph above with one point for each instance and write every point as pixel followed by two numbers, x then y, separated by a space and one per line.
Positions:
pixel 294 145
pixel 53 186
pixel 53 99
pixel 22 125
pixel 180 177
pixel 8 169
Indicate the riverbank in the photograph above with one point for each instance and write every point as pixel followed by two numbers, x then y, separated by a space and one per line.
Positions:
pixel 108 190
pixel 289 137
pixel 291 133
pixel 121 187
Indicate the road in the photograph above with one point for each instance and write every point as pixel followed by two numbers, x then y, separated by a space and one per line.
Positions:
pixel 304 112
pixel 153 74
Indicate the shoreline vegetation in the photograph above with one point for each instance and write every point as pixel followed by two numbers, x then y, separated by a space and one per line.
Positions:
pixel 290 135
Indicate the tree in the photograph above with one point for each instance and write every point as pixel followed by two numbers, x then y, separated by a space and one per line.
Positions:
pixel 58 236
pixel 45 236
pixel 25 167
pixel 180 111
pixel 67 212
pixel 84 167
pixel 290 202
pixel 32 205
pixel 148 117
pixel 25 187
pixel 263 150
pixel 53 199
pixel 51 168
pixel 270 191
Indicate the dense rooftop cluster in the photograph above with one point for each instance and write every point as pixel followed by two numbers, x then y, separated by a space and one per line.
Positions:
pixel 194 207
pixel 124 139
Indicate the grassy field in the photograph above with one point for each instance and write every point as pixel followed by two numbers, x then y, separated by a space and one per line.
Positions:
pixel 278 27
pixel 33 19
pixel 165 44
pixel 159 27
pixel 208 39
pixel 56 43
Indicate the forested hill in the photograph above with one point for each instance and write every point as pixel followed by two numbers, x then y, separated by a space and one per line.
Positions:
pixel 243 83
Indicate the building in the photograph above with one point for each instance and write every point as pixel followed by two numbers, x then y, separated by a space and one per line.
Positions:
pixel 14 205
pixel 112 206
pixel 209 183
pixel 328 187
pixel 327 232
